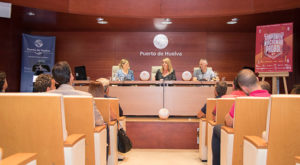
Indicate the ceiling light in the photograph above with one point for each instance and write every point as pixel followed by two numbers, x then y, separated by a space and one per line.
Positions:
pixel 234 19
pixel 158 25
pixel 99 19
pixel 102 22
pixel 231 22
pixel 31 13
pixel 167 21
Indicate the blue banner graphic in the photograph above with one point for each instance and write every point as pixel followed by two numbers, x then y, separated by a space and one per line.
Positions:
pixel 38 55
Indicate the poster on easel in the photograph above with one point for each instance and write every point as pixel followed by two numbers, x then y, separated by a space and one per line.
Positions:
pixel 274 48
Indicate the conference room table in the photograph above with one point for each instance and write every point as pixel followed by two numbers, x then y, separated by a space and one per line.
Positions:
pixel 146 98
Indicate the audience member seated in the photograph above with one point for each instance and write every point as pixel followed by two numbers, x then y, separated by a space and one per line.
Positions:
pixel 166 72
pixel 265 85
pixel 124 73
pixel 296 90
pixel 3 82
pixel 105 84
pixel 44 83
pixel 220 90
pixel 97 90
pixel 62 75
pixel 248 82
pixel 204 74
pixel 237 91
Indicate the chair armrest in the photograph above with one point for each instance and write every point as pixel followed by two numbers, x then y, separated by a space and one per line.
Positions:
pixel 73 139
pixel 99 128
pixel 203 119
pixel 19 159
pixel 112 123
pixel 211 122
pixel 258 142
pixel 228 130
pixel 121 118
pixel 297 159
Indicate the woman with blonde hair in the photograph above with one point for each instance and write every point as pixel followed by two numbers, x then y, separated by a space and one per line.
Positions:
pixel 166 72
pixel 124 73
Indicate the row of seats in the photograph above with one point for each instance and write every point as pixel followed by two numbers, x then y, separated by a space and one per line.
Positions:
pixel 277 116
pixel 59 129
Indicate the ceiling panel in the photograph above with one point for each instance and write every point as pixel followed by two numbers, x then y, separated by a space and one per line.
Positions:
pixel 44 20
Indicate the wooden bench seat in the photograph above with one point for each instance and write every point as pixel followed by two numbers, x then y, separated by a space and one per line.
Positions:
pixel 249 119
pixel 223 106
pixel 282 142
pixel 35 123
pixel 80 119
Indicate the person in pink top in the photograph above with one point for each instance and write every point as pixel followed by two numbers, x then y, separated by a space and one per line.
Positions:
pixel 237 92
pixel 249 84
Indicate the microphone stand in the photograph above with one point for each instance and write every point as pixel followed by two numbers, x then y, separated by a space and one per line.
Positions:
pixel 163 93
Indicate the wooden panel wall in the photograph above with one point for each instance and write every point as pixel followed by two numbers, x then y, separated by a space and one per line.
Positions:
pixel 160 8
pixel 227 53
pixel 55 5
pixel 10 53
pixel 163 135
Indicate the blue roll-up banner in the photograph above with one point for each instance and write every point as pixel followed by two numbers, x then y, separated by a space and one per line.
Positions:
pixel 38 55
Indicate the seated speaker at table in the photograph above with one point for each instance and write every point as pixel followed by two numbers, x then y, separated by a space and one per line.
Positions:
pixel 124 73
pixel 204 73
pixel 166 72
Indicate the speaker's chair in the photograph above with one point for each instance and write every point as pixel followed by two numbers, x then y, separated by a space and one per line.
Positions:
pixel 153 71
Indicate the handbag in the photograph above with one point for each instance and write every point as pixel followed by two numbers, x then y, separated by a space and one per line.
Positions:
pixel 124 143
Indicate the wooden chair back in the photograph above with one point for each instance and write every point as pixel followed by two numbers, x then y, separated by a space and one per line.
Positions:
pixel 154 69
pixel 80 120
pixel 104 105
pixel 210 106
pixel 115 106
pixel 33 123
pixel 249 119
pixel 223 106
pixel 284 130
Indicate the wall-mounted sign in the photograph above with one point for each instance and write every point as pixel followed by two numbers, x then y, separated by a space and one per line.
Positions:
pixel 160 41
pixel 274 48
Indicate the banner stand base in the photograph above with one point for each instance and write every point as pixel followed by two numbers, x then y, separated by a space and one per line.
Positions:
pixel 274 76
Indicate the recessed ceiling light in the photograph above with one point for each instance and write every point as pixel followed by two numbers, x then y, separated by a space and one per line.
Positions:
pixel 231 22
pixel 100 19
pixel 31 13
pixel 167 21
pixel 158 25
pixel 234 19
pixel 102 22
